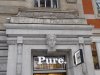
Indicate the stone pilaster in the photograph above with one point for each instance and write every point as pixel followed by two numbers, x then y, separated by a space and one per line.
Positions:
pixel 19 55
pixel 81 46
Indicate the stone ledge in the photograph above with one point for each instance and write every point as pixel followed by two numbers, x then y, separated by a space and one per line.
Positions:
pixel 49 14
pixel 46 20
pixel 48 27
pixel 42 41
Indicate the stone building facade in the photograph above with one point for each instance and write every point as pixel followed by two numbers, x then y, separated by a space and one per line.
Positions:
pixel 50 28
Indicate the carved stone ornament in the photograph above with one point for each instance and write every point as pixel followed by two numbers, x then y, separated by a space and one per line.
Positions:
pixel 51 40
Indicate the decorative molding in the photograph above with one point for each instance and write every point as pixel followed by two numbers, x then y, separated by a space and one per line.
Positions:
pixel 81 40
pixel 51 40
pixel 57 21
pixel 19 39
pixel 43 41
pixel 49 27
pixel 71 1
pixel 43 14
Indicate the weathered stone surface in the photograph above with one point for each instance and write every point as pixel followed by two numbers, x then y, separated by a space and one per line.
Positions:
pixel 3 66
pixel 46 20
pixel 8 10
pixel 71 1
pixel 11 0
pixel 67 14
pixel 3 52
pixel 2 73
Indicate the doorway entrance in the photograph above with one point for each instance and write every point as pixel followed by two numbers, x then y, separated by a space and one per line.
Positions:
pixel 49 63
pixel 51 74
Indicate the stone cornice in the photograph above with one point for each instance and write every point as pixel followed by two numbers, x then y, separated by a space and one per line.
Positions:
pixel 48 27
pixel 47 20
pixel 42 41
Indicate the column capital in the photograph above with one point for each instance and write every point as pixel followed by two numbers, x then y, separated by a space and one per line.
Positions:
pixel 81 40
pixel 19 39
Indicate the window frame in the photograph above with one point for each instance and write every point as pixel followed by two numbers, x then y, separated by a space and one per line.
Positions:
pixel 51 7
pixel 44 71
pixel 63 66
pixel 96 13
pixel 95 56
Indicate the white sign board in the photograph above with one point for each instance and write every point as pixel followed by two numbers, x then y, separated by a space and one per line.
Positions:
pixel 42 59
pixel 78 57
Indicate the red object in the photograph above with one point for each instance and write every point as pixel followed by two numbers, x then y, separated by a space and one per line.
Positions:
pixel 95 22
pixel 87 7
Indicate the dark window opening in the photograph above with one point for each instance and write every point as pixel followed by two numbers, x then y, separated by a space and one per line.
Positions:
pixel 42 3
pixel 98 5
pixel 36 3
pixel 95 56
pixel 54 3
pixel 48 3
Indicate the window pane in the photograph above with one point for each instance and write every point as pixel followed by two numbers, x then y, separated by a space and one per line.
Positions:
pixel 54 3
pixel 42 3
pixel 35 3
pixel 48 3
pixel 98 4
pixel 95 57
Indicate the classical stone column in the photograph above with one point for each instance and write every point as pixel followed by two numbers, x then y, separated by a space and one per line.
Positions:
pixel 11 63
pixel 19 55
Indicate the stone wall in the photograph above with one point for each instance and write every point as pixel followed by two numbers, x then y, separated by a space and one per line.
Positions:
pixel 3 53
pixel 10 8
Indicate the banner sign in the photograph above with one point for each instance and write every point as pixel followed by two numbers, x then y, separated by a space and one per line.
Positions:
pixel 50 60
